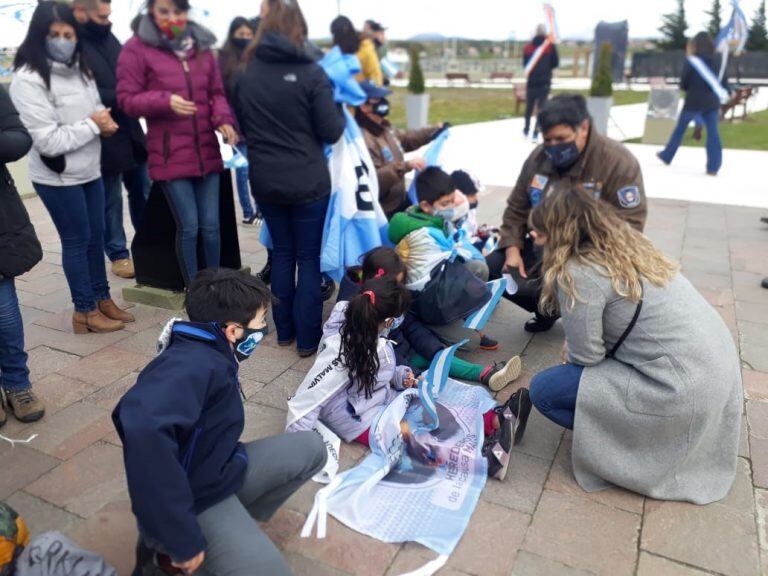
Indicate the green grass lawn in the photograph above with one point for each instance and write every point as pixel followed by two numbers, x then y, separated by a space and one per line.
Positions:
pixel 470 105
pixel 749 134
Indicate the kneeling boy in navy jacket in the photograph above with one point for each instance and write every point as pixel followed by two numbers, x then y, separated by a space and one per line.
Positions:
pixel 193 485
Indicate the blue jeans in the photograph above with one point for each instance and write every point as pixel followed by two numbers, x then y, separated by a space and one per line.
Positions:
pixel 137 184
pixel 78 214
pixel 554 392
pixel 297 234
pixel 243 189
pixel 14 374
pixel 714 146
pixel 195 204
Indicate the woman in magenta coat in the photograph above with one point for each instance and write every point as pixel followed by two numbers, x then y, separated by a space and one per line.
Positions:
pixel 168 74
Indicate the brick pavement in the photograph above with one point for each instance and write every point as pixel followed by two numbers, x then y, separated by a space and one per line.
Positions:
pixel 537 522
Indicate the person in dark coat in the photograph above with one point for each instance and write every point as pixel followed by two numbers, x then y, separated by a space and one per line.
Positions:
pixel 539 78
pixel 19 252
pixel 286 110
pixel 197 491
pixel 124 154
pixel 701 103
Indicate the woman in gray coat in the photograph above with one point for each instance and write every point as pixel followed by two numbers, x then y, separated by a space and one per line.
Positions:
pixel 652 382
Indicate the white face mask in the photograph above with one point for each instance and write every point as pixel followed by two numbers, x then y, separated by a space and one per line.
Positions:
pixel 461 211
pixel 396 323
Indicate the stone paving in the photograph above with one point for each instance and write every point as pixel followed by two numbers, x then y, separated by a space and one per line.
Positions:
pixel 537 522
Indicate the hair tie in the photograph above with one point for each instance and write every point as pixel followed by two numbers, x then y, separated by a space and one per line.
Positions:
pixel 380 273
pixel 370 295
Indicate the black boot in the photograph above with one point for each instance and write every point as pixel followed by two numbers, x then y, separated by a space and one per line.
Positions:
pixel 265 275
pixel 519 404
pixel 540 323
pixel 327 288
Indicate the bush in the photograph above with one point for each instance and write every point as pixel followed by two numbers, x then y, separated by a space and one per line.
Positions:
pixel 602 81
pixel 416 80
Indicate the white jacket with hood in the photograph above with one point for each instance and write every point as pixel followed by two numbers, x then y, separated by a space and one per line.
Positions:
pixel 58 119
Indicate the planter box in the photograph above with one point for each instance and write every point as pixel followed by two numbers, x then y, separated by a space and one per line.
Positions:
pixel 600 110
pixel 417 111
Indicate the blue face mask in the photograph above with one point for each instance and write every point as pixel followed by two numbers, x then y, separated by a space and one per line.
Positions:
pixel 248 342
pixel 447 214
pixel 60 49
pixel 563 155
pixel 396 323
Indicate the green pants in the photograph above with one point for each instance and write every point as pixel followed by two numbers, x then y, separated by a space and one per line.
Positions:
pixel 460 369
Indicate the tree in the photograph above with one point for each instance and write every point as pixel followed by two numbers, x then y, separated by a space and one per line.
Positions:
pixel 758 34
pixel 673 29
pixel 416 80
pixel 602 83
pixel 715 22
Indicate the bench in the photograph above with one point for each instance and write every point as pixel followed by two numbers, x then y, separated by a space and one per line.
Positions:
pixel 502 76
pixel 457 77
pixel 740 97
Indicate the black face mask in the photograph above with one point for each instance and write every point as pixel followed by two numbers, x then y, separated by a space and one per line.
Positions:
pixel 563 155
pixel 381 108
pixel 248 342
pixel 241 43
pixel 96 30
pixel 473 205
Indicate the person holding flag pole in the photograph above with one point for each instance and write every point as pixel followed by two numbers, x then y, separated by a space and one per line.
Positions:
pixel 704 94
pixel 540 58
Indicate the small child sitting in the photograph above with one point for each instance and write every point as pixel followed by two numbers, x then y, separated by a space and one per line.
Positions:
pixel 360 329
pixel 414 343
pixel 193 484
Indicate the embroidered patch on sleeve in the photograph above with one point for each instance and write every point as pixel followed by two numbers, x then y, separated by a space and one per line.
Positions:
pixel 629 196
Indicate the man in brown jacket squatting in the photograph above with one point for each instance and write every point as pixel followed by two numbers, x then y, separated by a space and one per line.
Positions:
pixel 388 145
pixel 575 155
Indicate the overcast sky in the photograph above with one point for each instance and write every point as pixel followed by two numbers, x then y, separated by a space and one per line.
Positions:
pixel 482 19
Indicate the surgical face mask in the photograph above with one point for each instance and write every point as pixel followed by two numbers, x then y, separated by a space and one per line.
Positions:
pixel 461 211
pixel 381 108
pixel 248 342
pixel 241 43
pixel 447 214
pixel 60 49
pixel 563 155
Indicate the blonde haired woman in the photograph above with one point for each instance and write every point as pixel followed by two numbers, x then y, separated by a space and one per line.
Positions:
pixel 651 385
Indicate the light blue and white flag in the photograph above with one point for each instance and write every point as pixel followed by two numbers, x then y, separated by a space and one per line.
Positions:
pixel 416 485
pixel 433 383
pixel 709 77
pixel 732 36
pixel 478 319
pixel 389 68
pixel 431 158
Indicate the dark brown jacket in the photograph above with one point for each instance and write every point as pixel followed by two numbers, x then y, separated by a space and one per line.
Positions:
pixel 606 168
pixel 387 147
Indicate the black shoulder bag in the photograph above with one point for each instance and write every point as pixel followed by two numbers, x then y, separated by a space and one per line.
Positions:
pixel 627 332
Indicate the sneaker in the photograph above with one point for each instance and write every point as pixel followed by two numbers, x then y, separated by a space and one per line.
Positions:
pixel 535 139
pixel 540 323
pixel 519 406
pixel 487 343
pixel 123 268
pixel 500 375
pixel 24 405
pixel 496 449
pixel 249 221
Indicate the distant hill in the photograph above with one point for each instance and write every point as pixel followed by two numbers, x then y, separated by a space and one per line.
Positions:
pixel 428 37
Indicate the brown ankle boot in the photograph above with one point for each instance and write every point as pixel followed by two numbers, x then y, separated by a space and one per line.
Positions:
pixel 84 322
pixel 110 310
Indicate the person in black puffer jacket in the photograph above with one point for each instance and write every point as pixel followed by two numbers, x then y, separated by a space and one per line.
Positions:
pixel 701 104
pixel 286 110
pixel 539 81
pixel 20 250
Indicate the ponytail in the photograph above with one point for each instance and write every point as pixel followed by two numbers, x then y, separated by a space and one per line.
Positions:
pixel 379 299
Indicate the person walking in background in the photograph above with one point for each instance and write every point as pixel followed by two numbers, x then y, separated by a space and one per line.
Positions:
pixel 241 33
pixel 20 250
pixel 350 41
pixel 542 62
pixel 54 91
pixel 124 154
pixel 702 100
pixel 168 74
pixel 285 106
